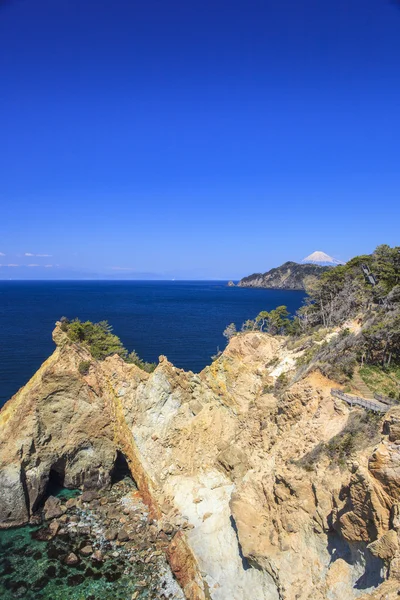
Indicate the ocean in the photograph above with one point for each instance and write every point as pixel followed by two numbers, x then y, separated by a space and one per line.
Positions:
pixel 183 320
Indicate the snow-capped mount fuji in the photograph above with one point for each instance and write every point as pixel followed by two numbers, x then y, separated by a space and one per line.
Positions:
pixel 321 258
pixel 292 275
pixel 289 276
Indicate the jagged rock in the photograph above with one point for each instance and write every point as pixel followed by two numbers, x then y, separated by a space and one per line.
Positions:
pixel 217 459
pixel 387 546
pixel 13 508
pixel 391 425
pixel 234 461
pixel 52 508
pixel 54 527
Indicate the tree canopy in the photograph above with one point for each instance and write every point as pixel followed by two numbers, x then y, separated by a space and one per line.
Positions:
pixel 366 289
pixel 101 341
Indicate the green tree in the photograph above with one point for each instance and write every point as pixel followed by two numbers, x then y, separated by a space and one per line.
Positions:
pixel 262 320
pixel 386 266
pixel 248 325
pixel 97 337
pixel 278 320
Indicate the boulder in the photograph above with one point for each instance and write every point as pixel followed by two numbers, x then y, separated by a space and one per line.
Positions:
pixel 52 508
pixel 71 560
pixel 386 546
pixel 89 496
pixel 86 550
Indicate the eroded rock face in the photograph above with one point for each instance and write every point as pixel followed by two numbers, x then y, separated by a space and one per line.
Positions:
pixel 224 467
pixel 60 427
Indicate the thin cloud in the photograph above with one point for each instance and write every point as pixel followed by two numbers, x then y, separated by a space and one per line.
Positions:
pixel 2 254
pixel 38 255
pixel 11 265
pixel 48 266
pixel 29 254
pixel 44 255
pixel 33 265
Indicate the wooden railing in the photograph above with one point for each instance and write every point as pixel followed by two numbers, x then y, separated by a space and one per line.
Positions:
pixel 357 401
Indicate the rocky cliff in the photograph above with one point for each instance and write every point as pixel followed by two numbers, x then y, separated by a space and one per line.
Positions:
pixel 259 509
pixel 289 276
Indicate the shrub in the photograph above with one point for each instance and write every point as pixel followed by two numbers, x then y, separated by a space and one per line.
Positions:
pixel 64 324
pixel 362 429
pixel 98 337
pixel 281 382
pixel 101 342
pixel 342 447
pixel 84 367
pixel 268 389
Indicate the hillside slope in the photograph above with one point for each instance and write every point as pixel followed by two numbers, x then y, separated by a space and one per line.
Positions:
pixel 289 276
pixel 248 480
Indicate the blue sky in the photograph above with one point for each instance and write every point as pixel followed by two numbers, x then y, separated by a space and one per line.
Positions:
pixel 201 139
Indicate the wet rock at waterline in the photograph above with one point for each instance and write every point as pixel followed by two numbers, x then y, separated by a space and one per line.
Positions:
pixel 76 560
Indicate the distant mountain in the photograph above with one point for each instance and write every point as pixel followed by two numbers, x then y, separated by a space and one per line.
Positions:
pixel 289 276
pixel 321 258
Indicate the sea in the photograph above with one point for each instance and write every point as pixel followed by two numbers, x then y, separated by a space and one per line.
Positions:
pixel 182 320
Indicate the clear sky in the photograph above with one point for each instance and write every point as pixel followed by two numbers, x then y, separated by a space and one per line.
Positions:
pixel 195 138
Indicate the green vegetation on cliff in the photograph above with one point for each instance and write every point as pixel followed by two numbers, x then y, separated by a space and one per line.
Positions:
pixel 289 276
pixel 350 322
pixel 101 342
pixel 358 304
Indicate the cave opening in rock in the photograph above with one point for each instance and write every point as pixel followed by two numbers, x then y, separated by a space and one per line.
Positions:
pixel 54 484
pixel 121 469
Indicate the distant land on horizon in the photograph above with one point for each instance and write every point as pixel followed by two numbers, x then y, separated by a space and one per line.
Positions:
pixel 24 272
pixel 289 276
pixel 42 274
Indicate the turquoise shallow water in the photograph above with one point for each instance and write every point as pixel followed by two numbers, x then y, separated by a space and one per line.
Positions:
pixel 30 569
pixel 33 569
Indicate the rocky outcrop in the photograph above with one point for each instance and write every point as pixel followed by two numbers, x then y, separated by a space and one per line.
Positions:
pixel 289 276
pixel 236 475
